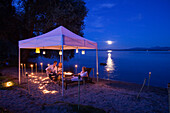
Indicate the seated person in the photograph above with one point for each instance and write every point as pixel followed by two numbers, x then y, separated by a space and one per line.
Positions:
pixel 83 73
pixel 59 70
pixel 52 70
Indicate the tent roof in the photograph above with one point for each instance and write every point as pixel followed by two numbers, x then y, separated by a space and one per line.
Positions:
pixel 53 40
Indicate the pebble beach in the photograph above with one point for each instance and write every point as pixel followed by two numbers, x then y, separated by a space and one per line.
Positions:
pixel 42 96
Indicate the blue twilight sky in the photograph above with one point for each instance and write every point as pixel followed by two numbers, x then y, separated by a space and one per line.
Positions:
pixel 129 23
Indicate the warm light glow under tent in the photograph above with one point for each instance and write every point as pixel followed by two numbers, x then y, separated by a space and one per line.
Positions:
pixel 58 39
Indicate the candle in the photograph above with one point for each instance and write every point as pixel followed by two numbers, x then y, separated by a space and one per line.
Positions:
pixel 25 68
pixel 41 67
pixel 22 68
pixel 76 68
pixel 32 68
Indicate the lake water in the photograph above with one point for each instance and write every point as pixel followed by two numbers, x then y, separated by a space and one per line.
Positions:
pixel 129 66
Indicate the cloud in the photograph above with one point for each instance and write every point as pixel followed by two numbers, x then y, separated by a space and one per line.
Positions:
pixel 115 36
pixel 137 17
pixel 92 30
pixel 107 5
pixel 98 22
pixel 104 5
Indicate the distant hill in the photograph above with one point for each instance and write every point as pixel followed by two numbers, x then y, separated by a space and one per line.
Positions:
pixel 156 48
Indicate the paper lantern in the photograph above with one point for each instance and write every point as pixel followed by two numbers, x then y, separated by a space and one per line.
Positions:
pixel 60 52
pixel 44 52
pixel 82 52
pixel 37 50
pixel 77 50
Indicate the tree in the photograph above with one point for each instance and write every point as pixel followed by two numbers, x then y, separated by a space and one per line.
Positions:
pixel 41 16
pixel 9 31
pixel 30 18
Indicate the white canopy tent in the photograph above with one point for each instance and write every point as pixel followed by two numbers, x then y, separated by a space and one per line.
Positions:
pixel 58 39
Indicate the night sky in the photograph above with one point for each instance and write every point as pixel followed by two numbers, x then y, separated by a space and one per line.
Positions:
pixel 129 23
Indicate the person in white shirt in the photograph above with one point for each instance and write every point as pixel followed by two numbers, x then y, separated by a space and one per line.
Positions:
pixel 83 73
pixel 52 68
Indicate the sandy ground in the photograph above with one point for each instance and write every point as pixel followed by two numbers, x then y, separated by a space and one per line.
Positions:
pixel 110 96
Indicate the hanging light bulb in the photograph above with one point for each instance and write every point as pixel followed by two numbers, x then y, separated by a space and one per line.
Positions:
pixel 60 52
pixel 44 52
pixel 37 50
pixel 82 52
pixel 77 50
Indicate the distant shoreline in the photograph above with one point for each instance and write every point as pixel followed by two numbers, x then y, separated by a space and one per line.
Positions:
pixel 140 49
pixel 127 50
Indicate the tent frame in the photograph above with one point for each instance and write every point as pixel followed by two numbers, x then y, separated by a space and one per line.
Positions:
pixel 62 48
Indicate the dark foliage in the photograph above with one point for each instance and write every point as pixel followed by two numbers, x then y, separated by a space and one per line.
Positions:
pixel 28 18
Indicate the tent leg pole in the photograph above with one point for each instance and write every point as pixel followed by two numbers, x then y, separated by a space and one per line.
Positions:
pixel 19 67
pixel 97 72
pixel 62 67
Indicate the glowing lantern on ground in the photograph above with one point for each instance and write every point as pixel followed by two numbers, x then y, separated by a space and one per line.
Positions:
pixel 8 84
